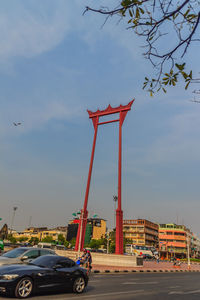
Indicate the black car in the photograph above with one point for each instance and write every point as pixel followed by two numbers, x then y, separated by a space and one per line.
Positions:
pixel 48 272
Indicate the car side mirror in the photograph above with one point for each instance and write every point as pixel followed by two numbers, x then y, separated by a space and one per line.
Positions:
pixel 57 267
pixel 25 257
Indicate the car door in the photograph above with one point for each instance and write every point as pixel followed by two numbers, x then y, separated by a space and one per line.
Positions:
pixel 64 271
pixel 47 278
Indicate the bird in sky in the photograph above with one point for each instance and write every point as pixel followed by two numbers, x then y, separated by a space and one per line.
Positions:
pixel 16 124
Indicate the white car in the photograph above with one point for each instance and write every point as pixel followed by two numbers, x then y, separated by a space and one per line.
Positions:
pixel 23 254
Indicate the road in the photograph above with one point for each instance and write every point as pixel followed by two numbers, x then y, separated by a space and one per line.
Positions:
pixel 150 286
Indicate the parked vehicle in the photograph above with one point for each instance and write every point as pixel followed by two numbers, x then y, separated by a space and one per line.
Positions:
pixel 148 257
pixel 1 245
pixel 140 250
pixel 45 273
pixel 45 245
pixel 23 254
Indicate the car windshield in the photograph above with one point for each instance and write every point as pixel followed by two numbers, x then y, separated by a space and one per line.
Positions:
pixel 14 253
pixel 46 261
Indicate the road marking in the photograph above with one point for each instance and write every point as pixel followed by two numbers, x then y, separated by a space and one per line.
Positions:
pixel 148 282
pixel 174 287
pixel 184 293
pixel 108 294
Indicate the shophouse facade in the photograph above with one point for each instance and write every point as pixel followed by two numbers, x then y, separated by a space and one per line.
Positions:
pixel 41 232
pixel 141 232
pixel 174 241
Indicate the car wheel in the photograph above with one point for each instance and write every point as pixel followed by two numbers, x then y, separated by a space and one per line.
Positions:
pixel 79 285
pixel 24 288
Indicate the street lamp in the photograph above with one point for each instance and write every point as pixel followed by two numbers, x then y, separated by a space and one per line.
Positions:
pixel 115 198
pixel 108 239
pixel 79 215
pixel 188 250
pixel 13 216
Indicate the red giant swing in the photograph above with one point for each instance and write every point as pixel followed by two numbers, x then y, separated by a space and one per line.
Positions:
pixel 95 116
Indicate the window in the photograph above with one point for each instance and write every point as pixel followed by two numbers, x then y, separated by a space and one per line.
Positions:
pixel 45 252
pixel 32 254
pixel 68 263
pixel 14 253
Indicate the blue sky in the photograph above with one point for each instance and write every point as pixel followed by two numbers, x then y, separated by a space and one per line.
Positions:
pixel 54 65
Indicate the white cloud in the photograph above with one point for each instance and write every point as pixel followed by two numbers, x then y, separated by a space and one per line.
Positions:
pixel 26 31
pixel 34 116
pixel 182 142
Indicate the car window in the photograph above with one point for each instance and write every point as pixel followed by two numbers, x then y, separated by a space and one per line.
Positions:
pixel 46 261
pixel 67 263
pixel 14 253
pixel 45 252
pixel 32 254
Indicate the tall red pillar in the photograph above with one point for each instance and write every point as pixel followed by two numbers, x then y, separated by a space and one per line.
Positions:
pixel 119 212
pixel 84 213
pixel 122 111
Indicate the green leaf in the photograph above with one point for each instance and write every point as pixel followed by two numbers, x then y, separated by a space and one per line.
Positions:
pixel 187 85
pixel 137 14
pixel 187 11
pixel 141 10
pixel 184 75
pixel 180 67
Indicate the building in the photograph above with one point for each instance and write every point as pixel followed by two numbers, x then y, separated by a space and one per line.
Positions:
pixel 41 232
pixel 173 240
pixel 54 233
pixel 141 232
pixel 95 229
pixel 195 246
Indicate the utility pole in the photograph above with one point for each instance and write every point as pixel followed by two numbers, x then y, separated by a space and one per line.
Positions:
pixel 13 217
pixel 188 250
pixel 108 236
pixel 115 198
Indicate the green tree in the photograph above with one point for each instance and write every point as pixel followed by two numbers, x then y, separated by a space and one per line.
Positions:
pixel 66 244
pixel 12 239
pixel 157 23
pixel 22 239
pixel 47 239
pixel 61 239
pixel 95 244
pixel 73 242
pixel 34 240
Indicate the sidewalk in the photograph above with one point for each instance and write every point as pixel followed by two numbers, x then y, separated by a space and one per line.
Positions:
pixel 149 266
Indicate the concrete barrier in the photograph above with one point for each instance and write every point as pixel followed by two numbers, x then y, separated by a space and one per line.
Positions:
pixel 106 259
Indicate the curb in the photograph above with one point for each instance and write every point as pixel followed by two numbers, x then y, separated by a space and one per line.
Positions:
pixel 142 271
